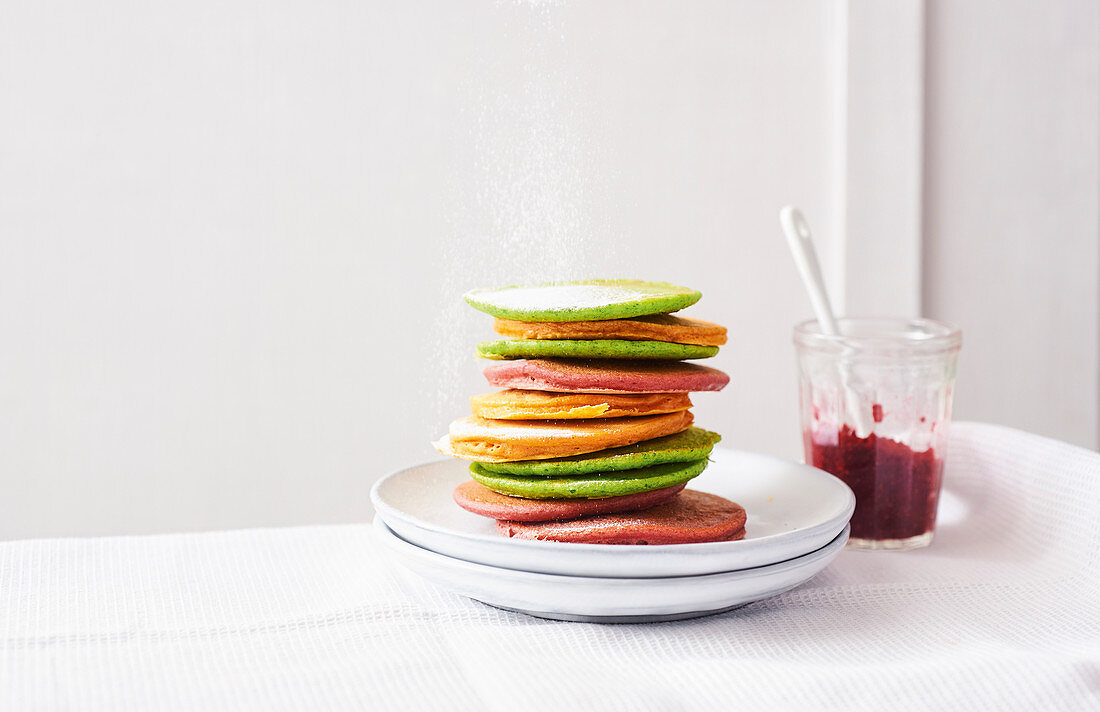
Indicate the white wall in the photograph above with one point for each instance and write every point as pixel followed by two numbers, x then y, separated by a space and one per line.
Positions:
pixel 1012 230
pixel 234 235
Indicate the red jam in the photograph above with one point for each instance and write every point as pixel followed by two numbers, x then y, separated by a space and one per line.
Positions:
pixel 897 490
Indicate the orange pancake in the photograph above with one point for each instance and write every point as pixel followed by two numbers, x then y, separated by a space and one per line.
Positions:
pixel 483 440
pixel 659 327
pixel 515 404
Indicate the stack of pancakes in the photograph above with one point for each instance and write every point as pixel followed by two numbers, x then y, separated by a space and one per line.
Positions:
pixel 592 438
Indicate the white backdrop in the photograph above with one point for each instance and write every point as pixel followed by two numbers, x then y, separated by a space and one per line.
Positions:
pixel 234 235
pixel 1012 221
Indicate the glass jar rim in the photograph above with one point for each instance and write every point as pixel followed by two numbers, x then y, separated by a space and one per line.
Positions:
pixel 920 335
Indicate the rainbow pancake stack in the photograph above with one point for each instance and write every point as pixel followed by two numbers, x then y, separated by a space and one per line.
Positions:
pixel 592 440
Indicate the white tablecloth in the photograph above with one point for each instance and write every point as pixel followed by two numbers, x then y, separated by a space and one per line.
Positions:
pixel 1001 613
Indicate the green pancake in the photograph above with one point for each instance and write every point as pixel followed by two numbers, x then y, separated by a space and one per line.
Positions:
pixel 691 444
pixel 594 486
pixel 587 300
pixel 590 348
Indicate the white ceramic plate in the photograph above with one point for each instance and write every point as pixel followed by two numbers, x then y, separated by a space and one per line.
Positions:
pixel 608 600
pixel 792 509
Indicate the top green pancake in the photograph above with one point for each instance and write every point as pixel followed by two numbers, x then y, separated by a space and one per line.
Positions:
pixel 691 444
pixel 588 300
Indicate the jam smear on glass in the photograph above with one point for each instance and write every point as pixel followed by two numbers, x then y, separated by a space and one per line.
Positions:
pixel 897 490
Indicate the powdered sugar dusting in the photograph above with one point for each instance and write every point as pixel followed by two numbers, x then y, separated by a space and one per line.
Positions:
pixel 563 297
pixel 522 207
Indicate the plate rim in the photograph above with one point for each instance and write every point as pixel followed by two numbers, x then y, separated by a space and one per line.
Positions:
pixel 834 545
pixel 695 547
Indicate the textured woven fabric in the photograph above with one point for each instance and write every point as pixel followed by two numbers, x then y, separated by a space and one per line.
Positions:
pixel 1001 613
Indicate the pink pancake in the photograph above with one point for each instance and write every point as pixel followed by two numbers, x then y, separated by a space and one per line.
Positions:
pixel 692 517
pixel 605 376
pixel 475 497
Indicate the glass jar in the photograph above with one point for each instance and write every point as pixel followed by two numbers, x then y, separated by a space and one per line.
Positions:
pixel 876 406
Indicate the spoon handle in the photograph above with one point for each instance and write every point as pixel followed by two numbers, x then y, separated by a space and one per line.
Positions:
pixel 805 258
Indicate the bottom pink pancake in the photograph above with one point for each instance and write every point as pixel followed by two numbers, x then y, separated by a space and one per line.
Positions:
pixel 693 517
pixel 475 497
pixel 605 376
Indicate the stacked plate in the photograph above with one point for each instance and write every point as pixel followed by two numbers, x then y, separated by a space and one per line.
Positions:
pixel 797 523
